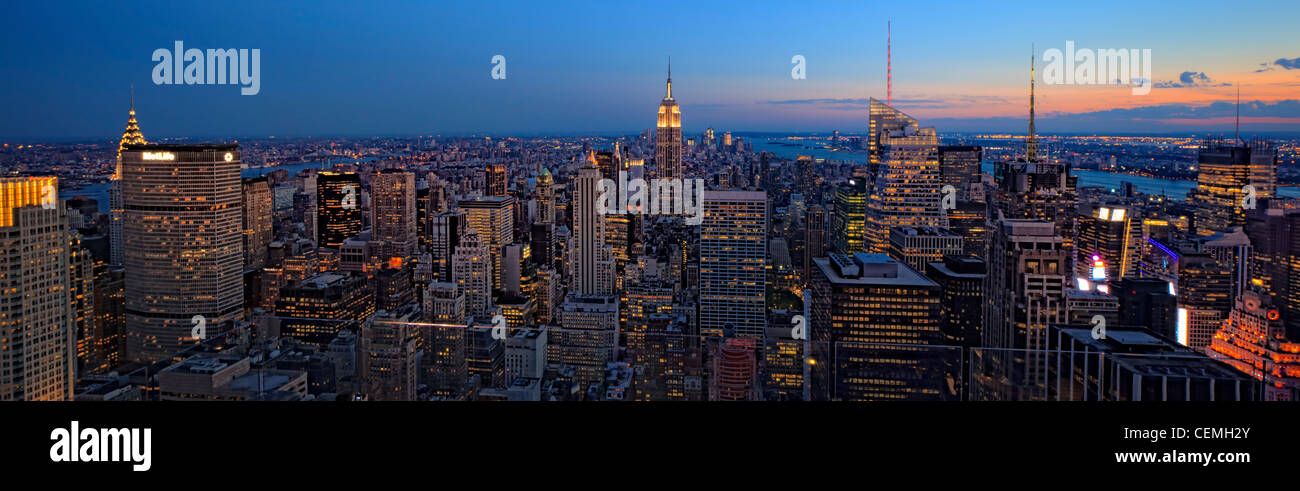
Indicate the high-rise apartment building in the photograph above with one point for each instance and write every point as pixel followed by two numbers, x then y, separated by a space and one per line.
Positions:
pixel 393 212
pixel 471 270
pixel 257 222
pixel 38 349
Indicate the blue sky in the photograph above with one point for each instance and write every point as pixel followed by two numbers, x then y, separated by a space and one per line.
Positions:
pixel 361 68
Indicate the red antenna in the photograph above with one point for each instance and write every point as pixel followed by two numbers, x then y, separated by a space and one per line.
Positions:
pixel 889 64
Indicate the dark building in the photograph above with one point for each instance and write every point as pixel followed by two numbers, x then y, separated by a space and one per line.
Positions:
pixel 1134 364
pixel 876 326
pixel 495 180
pixel 338 207
pixel 314 311
pixel 961 294
pixel 1148 302
pixel 959 165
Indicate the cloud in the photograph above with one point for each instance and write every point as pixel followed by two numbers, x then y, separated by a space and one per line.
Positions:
pixel 1291 64
pixel 1190 79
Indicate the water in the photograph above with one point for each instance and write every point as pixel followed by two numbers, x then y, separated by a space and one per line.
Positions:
pixel 1087 178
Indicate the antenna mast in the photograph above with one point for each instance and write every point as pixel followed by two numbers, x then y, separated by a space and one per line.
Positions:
pixel 889 64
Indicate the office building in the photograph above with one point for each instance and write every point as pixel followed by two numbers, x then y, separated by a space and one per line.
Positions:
pixel 873 318
pixel 338 208
pixel 733 258
pixel 183 236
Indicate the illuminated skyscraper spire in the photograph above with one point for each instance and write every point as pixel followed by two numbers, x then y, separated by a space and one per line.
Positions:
pixel 670 79
pixel 668 134
pixel 889 64
pixel 131 135
pixel 1031 143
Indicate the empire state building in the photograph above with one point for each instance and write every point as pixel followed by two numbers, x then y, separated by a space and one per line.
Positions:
pixel 668 135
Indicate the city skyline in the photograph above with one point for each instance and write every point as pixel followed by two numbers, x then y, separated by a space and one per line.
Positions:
pixel 953 66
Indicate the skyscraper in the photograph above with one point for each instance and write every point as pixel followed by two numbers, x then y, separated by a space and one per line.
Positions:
pixel 1227 173
pixel 315 310
pixel 590 259
pixel 338 208
pixel 443 339
pixel 495 180
pixel 545 197
pixel 874 315
pixel 668 136
pixel 389 356
pixel 1027 278
pixel 392 208
pixel 589 338
pixel 492 218
pixel 850 219
pixel 130 136
pixel 959 166
pixel 444 237
pixel 733 258
pixel 1036 188
pixel 1110 234
pixel 38 326
pixel 1204 298
pixel 905 186
pixel 183 237
pixel 471 268
pixel 257 222
pixel 814 239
